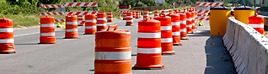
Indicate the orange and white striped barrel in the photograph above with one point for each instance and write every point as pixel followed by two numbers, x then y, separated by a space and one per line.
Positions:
pixel 138 15
pixel 134 14
pixel 47 30
pixel 124 15
pixel 257 23
pixel 156 13
pixel 113 52
pixel 6 36
pixel 71 30
pixel 110 17
pixel 81 20
pixel 166 34
pixel 129 19
pixel 189 22
pixel 145 14
pixel 176 35
pixel 149 45
pixel 90 25
pixel 183 26
pixel 101 21
pixel 193 20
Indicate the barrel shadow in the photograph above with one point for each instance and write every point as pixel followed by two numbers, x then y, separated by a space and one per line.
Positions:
pixel 219 60
pixel 26 43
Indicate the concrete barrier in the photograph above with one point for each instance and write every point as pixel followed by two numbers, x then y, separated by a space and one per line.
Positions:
pixel 247 47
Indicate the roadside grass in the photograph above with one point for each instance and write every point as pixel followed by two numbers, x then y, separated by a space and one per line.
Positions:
pixel 20 21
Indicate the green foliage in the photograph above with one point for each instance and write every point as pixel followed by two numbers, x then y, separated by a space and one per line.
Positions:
pixel 21 8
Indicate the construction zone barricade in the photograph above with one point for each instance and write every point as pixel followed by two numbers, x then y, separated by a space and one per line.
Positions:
pixel 149 45
pixel 90 25
pixel 81 20
pixel 6 36
pixel 101 21
pixel 110 17
pixel 183 26
pixel 47 30
pixel 175 22
pixel 257 23
pixel 71 30
pixel 124 15
pixel 166 34
pixel 129 19
pixel 113 52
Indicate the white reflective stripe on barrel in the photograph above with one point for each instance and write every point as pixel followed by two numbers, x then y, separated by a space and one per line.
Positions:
pixel 149 35
pixel 166 27
pixel 90 21
pixel 110 18
pixel 155 13
pixel 6 40
pixel 175 23
pixel 149 50
pixel 188 25
pixel 183 30
pixel 129 17
pixel 71 23
pixel 129 20
pixel 183 21
pixel 71 30
pixel 145 15
pixel 257 25
pixel 6 29
pixel 176 33
pixel 47 25
pixel 110 15
pixel 113 55
pixel 47 34
pixel 90 27
pixel 188 19
pixel 166 40
pixel 101 24
pixel 101 18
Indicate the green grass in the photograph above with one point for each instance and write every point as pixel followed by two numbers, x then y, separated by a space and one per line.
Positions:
pixel 20 21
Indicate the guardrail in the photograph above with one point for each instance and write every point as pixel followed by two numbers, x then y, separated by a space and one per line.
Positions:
pixel 247 47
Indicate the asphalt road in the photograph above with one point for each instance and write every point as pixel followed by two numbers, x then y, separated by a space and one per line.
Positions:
pixel 201 54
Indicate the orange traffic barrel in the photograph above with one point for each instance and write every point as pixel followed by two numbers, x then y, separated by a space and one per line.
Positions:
pixel 193 20
pixel 189 22
pixel 110 17
pixel 138 14
pixel 6 36
pixel 47 30
pixel 149 45
pixel 176 35
pixel 257 23
pixel 166 34
pixel 113 52
pixel 183 26
pixel 90 25
pixel 129 19
pixel 156 13
pixel 101 21
pixel 124 15
pixel 81 20
pixel 145 14
pixel 71 30
pixel 134 14
pixel 176 12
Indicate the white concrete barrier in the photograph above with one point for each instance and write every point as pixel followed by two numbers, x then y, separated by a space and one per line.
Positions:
pixel 247 47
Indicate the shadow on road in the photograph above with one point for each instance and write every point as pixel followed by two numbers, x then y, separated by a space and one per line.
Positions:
pixel 218 59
